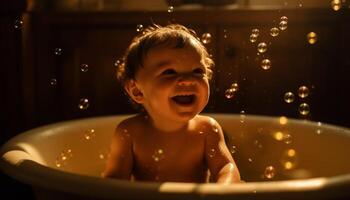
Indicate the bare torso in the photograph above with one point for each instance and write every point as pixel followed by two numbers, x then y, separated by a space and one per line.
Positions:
pixel 171 156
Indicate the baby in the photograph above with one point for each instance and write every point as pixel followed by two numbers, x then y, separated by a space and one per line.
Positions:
pixel 166 70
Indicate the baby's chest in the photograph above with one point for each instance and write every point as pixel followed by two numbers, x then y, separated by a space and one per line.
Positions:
pixel 169 152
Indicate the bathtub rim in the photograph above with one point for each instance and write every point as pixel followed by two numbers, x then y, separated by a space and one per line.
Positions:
pixel 35 174
pixel 31 172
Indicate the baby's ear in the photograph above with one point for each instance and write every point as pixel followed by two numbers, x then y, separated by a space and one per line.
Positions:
pixel 133 91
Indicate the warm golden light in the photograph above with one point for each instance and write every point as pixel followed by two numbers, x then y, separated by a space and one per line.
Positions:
pixel 278 136
pixel 283 120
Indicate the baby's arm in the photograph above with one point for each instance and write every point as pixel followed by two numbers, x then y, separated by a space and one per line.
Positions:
pixel 221 164
pixel 120 162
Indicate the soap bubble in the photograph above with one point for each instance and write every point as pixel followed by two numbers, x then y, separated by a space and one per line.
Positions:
pixel 288 97
pixel 63 157
pixel 233 149
pixel 229 93
pixel 284 18
pixel 274 31
pixel 289 159
pixel 84 67
pixel 104 154
pixel 255 32
pixel 53 81
pixel 287 138
pixel 234 86
pixel 269 172
pixel 139 27
pixel 18 24
pixel 283 25
pixel 117 63
pixel 83 103
pixel 212 153
pixel 303 91
pixel 312 37
pixel 266 64
pixel 336 5
pixel 58 51
pixel 242 116
pixel 262 47
pixel 253 38
pixel 170 9
pixel 158 155
pixel 206 38
pixel 89 134
pixel 304 109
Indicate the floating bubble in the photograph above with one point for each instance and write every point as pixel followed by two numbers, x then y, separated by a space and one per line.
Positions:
pixel 266 64
pixel 262 47
pixel 212 153
pixel 304 109
pixel 303 91
pixel 158 155
pixel 53 81
pixel 18 24
pixel 139 27
pixel 283 25
pixel 83 103
pixel 253 38
pixel 89 134
pixel 287 138
pixel 274 32
pixel 289 159
pixel 258 144
pixel 255 32
pixel 312 37
pixel 84 67
pixel 170 9
pixel 336 5
pixel 117 63
pixel 242 116
pixel 58 51
pixel 63 157
pixel 235 86
pixel 229 93
pixel 103 154
pixel 233 149
pixel 59 163
pixel 250 160
pixel 225 33
pixel 206 38
pixel 288 97
pixel 269 172
pixel 284 18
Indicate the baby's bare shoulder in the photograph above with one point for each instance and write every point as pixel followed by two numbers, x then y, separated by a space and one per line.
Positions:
pixel 131 124
pixel 208 123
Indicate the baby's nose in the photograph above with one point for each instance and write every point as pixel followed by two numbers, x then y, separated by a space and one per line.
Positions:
pixel 185 80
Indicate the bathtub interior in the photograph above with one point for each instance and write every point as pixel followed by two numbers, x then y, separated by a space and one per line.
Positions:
pixel 320 150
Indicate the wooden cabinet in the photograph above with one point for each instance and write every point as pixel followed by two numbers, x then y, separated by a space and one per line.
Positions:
pixel 98 39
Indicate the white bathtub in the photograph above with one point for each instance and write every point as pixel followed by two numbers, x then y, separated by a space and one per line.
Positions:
pixel 319 168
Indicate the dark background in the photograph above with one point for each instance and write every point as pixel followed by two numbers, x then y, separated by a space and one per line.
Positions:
pixel 98 38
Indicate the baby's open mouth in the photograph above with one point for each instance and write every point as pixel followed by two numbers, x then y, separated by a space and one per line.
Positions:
pixel 184 99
